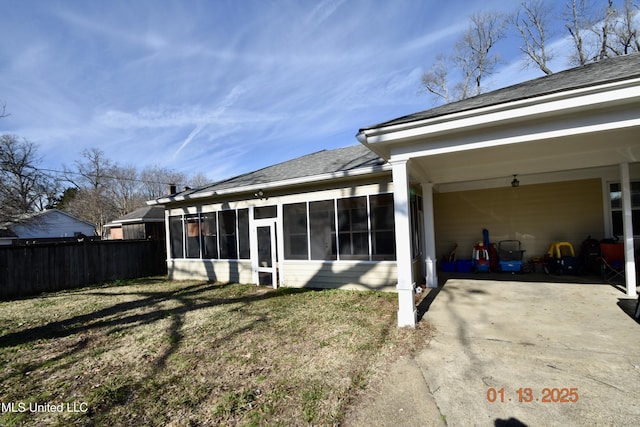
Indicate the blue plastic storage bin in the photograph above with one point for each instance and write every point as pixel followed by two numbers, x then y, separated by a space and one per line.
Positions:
pixel 464 266
pixel 448 266
pixel 511 266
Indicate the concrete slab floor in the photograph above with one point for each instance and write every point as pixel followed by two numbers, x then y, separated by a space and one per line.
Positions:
pixel 532 353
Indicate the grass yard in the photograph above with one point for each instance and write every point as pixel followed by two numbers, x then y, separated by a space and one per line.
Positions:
pixel 155 352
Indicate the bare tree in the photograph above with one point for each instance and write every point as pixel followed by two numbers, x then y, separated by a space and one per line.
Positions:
pixel 532 22
pixel 92 206
pixel 156 180
pixel 625 30
pixel 23 187
pixel 603 29
pixel 125 189
pixel 474 50
pixel 92 171
pixel 435 80
pixel 576 24
pixel 92 176
pixel 600 34
pixel 198 180
pixel 48 192
pixel 473 59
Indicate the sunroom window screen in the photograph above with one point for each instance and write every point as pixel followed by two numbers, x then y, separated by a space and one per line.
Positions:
pixel 209 235
pixel 322 227
pixel 243 234
pixel 227 234
pixel 353 228
pixel 295 231
pixel 193 236
pixel 176 236
pixel 382 227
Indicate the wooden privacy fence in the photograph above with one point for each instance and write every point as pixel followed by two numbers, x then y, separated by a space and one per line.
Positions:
pixel 32 269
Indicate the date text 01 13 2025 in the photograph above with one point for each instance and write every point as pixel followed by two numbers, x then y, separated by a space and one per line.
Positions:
pixel 526 394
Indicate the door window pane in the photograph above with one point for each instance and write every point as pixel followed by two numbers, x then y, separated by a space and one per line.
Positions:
pixel 261 212
pixel 265 258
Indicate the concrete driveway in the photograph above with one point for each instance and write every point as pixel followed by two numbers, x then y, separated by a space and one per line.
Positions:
pixel 570 352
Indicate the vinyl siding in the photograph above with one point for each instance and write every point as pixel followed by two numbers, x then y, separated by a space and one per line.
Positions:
pixel 379 276
pixel 534 214
pixel 52 224
pixel 211 270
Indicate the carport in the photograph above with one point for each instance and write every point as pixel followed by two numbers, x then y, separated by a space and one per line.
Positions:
pixel 580 122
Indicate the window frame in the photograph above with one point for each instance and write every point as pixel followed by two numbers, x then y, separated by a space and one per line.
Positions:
pixel 291 234
pixel 616 211
pixel 179 238
pixel 357 223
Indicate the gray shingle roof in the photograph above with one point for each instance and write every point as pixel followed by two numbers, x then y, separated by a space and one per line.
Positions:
pixel 609 70
pixel 144 214
pixel 319 163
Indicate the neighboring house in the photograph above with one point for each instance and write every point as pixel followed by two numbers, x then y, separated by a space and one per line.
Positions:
pixel 48 225
pixel 143 223
pixel 378 216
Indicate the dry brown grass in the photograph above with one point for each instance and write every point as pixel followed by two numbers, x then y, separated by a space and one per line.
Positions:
pixel 154 352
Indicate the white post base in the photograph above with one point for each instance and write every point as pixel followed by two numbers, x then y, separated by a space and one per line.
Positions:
pixel 407 312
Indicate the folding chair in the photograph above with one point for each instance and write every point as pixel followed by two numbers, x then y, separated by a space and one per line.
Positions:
pixel 612 262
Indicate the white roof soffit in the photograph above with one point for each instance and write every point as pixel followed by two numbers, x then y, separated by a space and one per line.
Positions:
pixel 551 105
pixel 276 184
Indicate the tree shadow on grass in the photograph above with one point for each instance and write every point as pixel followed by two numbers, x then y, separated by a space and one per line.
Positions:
pixel 122 317
pixel 113 391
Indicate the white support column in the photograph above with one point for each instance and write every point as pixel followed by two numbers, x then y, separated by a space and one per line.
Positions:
pixel 627 227
pixel 429 236
pixel 407 314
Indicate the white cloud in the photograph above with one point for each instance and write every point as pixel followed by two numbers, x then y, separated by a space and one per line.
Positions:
pixel 323 11
pixel 186 85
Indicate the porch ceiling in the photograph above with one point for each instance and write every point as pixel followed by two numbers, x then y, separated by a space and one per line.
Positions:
pixel 531 157
pixel 588 129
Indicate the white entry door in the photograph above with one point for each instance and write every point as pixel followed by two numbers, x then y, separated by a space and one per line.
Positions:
pixel 264 259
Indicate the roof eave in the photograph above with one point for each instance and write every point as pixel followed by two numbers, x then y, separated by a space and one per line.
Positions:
pixel 136 220
pixel 276 184
pixel 375 138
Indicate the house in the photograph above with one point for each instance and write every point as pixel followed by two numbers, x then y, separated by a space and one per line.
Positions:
pixel 551 159
pixel 47 225
pixel 571 140
pixel 143 223
pixel 323 220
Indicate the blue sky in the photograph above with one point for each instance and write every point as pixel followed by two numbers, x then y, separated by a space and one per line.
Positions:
pixel 220 87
